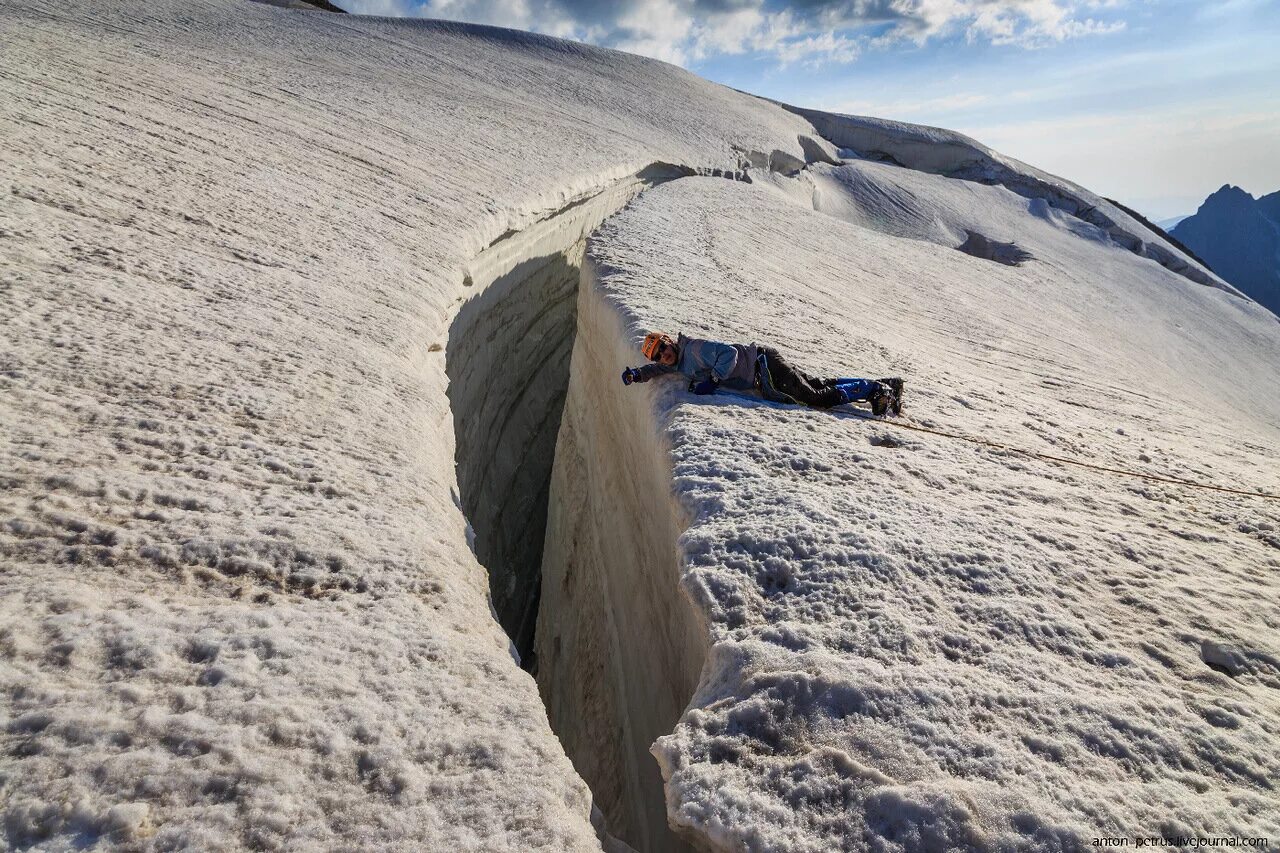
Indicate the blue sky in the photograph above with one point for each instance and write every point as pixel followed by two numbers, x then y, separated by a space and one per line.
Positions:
pixel 1153 102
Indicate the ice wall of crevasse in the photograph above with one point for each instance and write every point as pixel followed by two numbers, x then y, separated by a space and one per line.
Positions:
pixel 620 647
pixel 508 368
pixel 508 364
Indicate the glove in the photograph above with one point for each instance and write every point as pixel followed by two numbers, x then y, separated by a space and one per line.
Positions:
pixel 629 376
pixel 706 386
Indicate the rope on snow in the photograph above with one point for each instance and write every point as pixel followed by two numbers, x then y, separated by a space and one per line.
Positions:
pixel 1177 481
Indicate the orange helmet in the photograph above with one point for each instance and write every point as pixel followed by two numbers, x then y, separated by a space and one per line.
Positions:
pixel 653 344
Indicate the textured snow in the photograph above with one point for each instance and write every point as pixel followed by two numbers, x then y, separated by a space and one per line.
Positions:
pixel 939 151
pixel 924 643
pixel 239 608
pixel 238 601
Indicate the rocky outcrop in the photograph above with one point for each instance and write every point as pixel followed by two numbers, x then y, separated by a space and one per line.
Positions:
pixel 1239 236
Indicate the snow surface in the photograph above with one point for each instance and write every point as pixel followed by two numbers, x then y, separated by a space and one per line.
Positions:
pixel 940 151
pixel 239 608
pixel 238 601
pixel 925 643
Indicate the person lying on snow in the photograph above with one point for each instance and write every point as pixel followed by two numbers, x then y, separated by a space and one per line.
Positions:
pixel 709 364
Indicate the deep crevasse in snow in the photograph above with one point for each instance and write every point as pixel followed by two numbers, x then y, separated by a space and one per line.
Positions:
pixel 239 607
pixel 620 648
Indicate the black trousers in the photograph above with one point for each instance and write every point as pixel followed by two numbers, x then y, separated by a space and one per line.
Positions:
pixel 806 389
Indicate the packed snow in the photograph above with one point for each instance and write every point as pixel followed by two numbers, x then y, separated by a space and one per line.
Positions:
pixel 280 294
pixel 239 606
pixel 923 642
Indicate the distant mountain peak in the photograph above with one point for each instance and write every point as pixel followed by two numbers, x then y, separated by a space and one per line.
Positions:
pixel 1240 238
pixel 1230 192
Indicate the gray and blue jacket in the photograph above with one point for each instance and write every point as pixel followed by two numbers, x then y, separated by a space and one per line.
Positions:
pixel 731 365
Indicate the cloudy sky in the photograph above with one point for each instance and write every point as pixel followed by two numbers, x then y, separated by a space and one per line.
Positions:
pixel 1153 102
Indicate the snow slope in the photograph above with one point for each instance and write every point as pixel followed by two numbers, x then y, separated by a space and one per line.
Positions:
pixel 266 276
pixel 919 642
pixel 938 151
pixel 239 607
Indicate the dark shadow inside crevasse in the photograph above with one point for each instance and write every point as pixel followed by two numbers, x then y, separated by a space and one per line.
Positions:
pixel 508 367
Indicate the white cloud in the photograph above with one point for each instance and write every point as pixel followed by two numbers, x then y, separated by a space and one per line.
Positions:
pixel 657 28
pixel 728 33
pixel 817 50
pixel 1034 22
pixel 505 13
pixel 812 32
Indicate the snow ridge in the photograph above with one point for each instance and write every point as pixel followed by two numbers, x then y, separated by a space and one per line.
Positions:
pixel 955 155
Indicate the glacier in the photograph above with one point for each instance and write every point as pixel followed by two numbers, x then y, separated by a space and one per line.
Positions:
pixel 326 522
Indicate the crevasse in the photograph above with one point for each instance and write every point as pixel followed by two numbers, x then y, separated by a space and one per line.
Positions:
pixel 566 482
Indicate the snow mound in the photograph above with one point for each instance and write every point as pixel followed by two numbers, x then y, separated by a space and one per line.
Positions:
pixel 938 151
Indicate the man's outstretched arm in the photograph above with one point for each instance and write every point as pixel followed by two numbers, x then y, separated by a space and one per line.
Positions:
pixel 645 372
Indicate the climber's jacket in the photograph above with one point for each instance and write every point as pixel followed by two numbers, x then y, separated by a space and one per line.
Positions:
pixel 731 365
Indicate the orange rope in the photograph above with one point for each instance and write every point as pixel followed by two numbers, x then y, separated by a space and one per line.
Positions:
pixel 1176 481
pixel 1050 457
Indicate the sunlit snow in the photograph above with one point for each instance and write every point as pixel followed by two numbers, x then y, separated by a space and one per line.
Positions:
pixel 286 299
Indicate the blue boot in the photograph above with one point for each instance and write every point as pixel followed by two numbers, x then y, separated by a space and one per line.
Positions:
pixel 857 389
